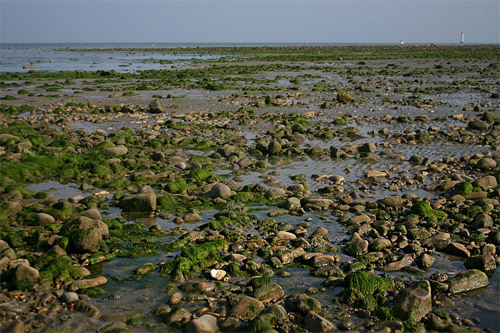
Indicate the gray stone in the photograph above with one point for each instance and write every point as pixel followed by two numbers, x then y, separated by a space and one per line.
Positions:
pixel 25 277
pixel 92 213
pixel 292 203
pixel 269 293
pixel 482 221
pixel 307 303
pixel 275 193
pixel 207 323
pixel 320 232
pixel 380 243
pixel 247 308
pixel 425 261
pixel 115 151
pixel 486 163
pixel 468 280
pixel 487 182
pixel 414 302
pixel 356 246
pixel 274 148
pixel 43 219
pixel 144 201
pixel 69 297
pixel 313 322
pixel 393 201
pixel 478 125
pixel 178 315
pixel 155 106
pixel 457 249
pixel 220 190
pixel 485 262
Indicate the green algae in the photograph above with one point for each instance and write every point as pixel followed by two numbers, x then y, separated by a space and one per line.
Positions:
pixel 176 186
pixel 61 269
pixel 194 257
pixel 362 290
pixel 93 292
pixel 423 208
pixel 464 188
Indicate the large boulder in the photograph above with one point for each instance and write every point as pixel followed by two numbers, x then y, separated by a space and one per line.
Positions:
pixel 313 322
pixel 270 292
pixel 220 190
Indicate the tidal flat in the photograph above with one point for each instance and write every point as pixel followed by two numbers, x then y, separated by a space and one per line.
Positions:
pixel 259 189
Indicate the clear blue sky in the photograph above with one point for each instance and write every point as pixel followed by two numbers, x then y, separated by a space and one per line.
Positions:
pixel 326 21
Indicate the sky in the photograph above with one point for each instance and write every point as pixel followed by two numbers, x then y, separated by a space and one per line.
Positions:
pixel 249 21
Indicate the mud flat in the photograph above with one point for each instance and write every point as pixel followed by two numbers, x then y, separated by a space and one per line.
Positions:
pixel 277 189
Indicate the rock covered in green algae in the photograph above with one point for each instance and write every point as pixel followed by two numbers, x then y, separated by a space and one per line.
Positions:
pixel 362 289
pixel 468 280
pixel 423 208
pixel 269 293
pixel 414 302
pixel 144 201
pixel 247 308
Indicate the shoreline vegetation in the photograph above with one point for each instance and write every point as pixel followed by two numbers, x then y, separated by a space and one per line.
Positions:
pixel 285 189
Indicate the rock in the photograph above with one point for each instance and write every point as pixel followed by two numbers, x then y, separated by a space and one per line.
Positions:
pixel 344 98
pixel 217 274
pixel 191 217
pixel 87 283
pixel 482 221
pixel 269 293
pixel 25 277
pixel 180 316
pixel 313 322
pixel 198 287
pixel 358 219
pixel 274 148
pixel 393 201
pixel 356 246
pixel 145 268
pixel 425 261
pixel 69 297
pixel 278 311
pixel 176 298
pixel 380 243
pixel 228 150
pixel 485 262
pixel 307 303
pixel 92 213
pixel 292 203
pixel 289 257
pixel 406 261
pixel 82 306
pixel 468 280
pixel 320 232
pixel 486 183
pixel 247 308
pixel 375 175
pixel 368 147
pixel 144 201
pixel 155 106
pixel 457 249
pixel 264 322
pixel 414 302
pixel 85 240
pixel 204 324
pixel 6 137
pixel 43 219
pixel 486 163
pixel 275 193
pixel 220 190
pixel 115 151
pixel 478 125
pixel 285 235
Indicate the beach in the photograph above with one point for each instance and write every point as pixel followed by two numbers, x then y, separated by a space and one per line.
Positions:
pixel 294 189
